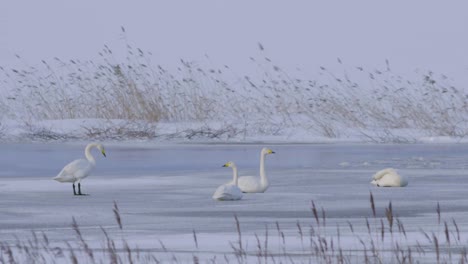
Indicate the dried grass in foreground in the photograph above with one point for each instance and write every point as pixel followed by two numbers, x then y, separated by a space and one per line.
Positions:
pixel 383 239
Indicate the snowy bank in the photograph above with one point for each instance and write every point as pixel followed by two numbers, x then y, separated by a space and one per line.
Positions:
pixel 68 130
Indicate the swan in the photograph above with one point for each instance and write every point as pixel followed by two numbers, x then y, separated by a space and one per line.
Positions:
pixel 388 178
pixel 229 191
pixel 79 169
pixel 253 184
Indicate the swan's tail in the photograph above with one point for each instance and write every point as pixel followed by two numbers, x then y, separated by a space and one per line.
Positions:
pixel 59 178
pixel 62 177
pixel 403 181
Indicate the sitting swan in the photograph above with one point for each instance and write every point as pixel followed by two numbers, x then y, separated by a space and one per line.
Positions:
pixel 253 184
pixel 79 169
pixel 388 178
pixel 229 191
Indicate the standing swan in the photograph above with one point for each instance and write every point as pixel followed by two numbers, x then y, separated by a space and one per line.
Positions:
pixel 229 191
pixel 253 184
pixel 388 178
pixel 79 169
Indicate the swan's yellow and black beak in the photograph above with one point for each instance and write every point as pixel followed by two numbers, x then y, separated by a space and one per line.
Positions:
pixel 271 151
pixel 103 153
pixel 225 165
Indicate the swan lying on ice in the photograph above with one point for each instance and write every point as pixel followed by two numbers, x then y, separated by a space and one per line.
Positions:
pixel 254 184
pixel 79 169
pixel 229 191
pixel 388 178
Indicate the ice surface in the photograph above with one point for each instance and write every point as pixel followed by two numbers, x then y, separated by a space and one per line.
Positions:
pixel 164 191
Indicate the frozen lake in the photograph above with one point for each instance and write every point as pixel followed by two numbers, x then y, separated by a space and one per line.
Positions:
pixel 164 191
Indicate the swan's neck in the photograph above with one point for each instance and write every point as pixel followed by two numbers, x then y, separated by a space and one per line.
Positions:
pixel 235 177
pixel 88 154
pixel 263 178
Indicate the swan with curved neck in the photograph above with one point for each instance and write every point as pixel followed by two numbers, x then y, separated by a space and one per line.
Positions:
pixel 253 184
pixel 388 178
pixel 79 169
pixel 229 191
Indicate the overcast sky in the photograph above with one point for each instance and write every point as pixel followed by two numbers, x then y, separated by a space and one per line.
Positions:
pixel 413 34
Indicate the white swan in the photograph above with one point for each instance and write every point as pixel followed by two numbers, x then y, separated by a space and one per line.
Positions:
pixel 79 169
pixel 229 191
pixel 253 184
pixel 388 178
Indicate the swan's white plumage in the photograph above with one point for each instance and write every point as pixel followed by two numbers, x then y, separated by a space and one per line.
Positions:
pixel 389 178
pixel 255 184
pixel 75 171
pixel 79 169
pixel 229 191
pixel 252 184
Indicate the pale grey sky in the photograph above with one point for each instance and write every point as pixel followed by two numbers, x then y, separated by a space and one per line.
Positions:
pixel 413 34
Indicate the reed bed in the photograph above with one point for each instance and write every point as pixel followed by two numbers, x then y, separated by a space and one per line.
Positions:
pixel 376 104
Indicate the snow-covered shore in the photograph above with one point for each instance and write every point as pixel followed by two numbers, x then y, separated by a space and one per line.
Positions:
pixel 76 130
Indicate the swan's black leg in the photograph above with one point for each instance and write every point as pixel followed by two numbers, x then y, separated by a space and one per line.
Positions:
pixel 79 189
pixel 74 191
